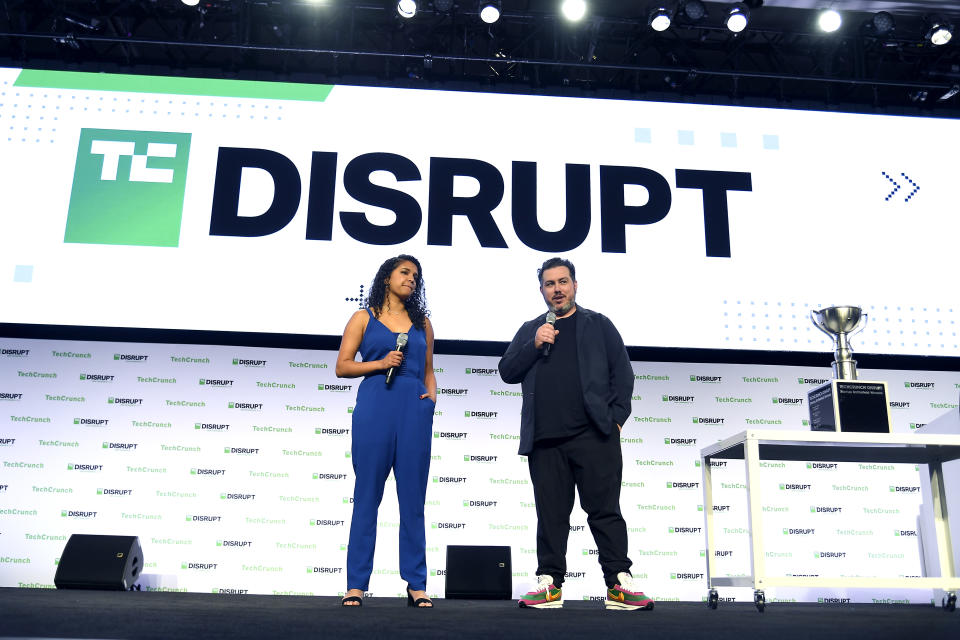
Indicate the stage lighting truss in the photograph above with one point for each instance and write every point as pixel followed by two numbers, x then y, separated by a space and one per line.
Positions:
pixel 937 30
pixel 878 63
pixel 659 18
pixel 407 8
pixel 738 17
pixel 490 11
pixel 443 6
pixel 829 20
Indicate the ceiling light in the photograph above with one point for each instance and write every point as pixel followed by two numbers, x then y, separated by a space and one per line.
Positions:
pixel 737 17
pixel 489 12
pixel 573 9
pixel 407 8
pixel 938 30
pixel 659 19
pixel 191 3
pixel 694 9
pixel 829 20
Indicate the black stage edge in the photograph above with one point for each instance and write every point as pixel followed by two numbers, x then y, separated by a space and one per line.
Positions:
pixel 464 347
pixel 49 613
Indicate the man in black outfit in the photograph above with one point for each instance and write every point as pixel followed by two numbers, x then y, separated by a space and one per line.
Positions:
pixel 577 382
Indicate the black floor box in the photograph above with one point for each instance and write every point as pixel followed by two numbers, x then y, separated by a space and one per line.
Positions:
pixel 479 573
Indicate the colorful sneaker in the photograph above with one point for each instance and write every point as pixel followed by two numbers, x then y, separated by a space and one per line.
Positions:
pixel 627 595
pixel 545 596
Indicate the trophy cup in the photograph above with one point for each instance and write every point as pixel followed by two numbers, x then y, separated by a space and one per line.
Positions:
pixel 846 403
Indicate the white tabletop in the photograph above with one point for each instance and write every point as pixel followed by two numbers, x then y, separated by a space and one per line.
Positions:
pixel 839 446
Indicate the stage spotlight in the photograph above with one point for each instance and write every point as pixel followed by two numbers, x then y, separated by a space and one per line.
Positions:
pixel 490 11
pixel 694 9
pixel 659 19
pixel 937 30
pixel 737 17
pixel 407 8
pixel 882 23
pixel 190 3
pixel 829 20
pixel 952 91
pixel 90 24
pixel 573 9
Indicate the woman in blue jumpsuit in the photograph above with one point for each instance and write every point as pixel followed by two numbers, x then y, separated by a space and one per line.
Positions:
pixel 392 423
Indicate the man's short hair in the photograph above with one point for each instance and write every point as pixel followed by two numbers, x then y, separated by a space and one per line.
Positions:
pixel 556 262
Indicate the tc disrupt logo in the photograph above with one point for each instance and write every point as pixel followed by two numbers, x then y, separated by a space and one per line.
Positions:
pixel 707 379
pixel 242 362
pixel 481 372
pixel 128 188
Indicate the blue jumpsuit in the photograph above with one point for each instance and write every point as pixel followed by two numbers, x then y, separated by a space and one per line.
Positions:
pixel 392 428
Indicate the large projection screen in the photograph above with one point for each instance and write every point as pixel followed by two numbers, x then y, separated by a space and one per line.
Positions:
pixel 133 201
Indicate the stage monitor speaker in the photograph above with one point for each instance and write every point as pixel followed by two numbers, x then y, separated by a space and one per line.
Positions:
pixel 99 562
pixel 479 573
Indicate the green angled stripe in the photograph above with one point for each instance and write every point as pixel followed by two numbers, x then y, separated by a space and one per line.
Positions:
pixel 85 81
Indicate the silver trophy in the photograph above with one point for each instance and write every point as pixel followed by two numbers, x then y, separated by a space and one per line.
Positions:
pixel 846 403
pixel 840 323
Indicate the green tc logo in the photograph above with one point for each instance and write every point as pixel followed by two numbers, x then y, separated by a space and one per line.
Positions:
pixel 128 188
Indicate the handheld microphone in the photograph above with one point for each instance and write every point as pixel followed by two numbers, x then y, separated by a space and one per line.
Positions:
pixel 401 343
pixel 551 320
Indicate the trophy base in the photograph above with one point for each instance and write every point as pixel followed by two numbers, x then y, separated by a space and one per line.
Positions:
pixel 857 406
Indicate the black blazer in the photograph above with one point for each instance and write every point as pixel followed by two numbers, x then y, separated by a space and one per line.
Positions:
pixel 606 376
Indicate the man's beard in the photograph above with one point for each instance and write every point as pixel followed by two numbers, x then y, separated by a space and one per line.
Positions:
pixel 562 311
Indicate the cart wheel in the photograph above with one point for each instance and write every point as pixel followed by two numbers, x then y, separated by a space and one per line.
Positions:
pixel 713 598
pixel 760 600
pixel 950 601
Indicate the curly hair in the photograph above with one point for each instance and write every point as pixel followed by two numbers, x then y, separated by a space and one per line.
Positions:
pixel 415 304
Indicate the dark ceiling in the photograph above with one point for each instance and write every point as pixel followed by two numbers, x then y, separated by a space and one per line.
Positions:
pixel 779 60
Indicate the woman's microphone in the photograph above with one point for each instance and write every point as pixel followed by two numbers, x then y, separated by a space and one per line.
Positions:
pixel 401 343
pixel 551 320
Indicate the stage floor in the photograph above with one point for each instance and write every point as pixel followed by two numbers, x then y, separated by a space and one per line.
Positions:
pixel 49 613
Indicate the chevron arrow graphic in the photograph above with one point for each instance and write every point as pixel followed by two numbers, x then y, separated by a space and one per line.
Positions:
pixel 915 186
pixel 897 186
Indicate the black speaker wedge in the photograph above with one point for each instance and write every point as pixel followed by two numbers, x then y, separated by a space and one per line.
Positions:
pixel 99 562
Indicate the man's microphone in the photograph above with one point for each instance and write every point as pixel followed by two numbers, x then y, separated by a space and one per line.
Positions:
pixel 551 320
pixel 401 343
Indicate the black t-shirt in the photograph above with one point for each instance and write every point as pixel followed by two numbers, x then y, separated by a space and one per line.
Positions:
pixel 559 410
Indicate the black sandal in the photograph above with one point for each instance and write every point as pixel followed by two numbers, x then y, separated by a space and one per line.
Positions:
pixel 416 603
pixel 357 599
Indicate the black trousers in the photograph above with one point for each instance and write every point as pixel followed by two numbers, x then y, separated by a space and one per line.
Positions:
pixel 593 464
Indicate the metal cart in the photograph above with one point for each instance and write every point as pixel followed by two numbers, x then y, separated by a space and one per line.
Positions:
pixel 752 446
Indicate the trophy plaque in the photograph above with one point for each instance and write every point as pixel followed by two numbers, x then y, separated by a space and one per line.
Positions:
pixel 846 403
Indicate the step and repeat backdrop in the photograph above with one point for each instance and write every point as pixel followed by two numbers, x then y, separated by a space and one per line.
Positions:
pixel 233 467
